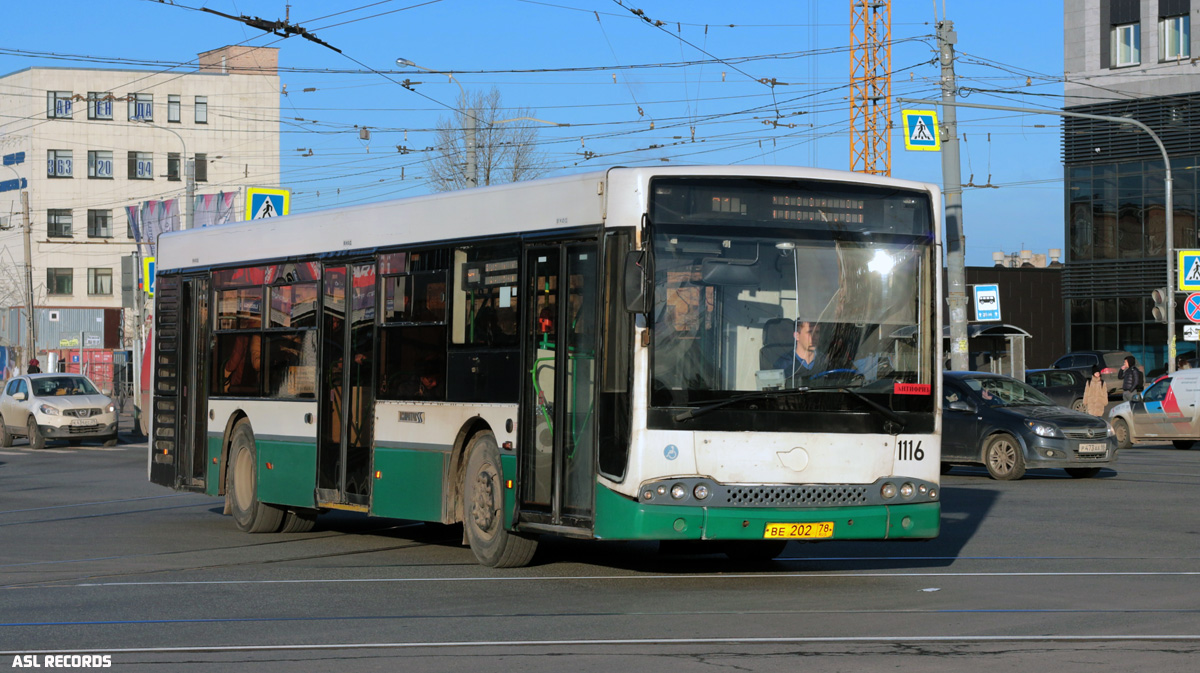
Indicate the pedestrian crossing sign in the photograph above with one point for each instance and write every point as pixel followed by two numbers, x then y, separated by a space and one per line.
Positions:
pixel 1189 271
pixel 262 202
pixel 921 130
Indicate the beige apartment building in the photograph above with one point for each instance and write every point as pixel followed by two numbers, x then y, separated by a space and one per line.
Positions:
pixel 97 141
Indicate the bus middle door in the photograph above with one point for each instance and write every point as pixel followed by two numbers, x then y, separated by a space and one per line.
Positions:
pixel 347 415
pixel 557 441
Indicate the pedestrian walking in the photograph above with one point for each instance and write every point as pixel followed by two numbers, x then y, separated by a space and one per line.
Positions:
pixel 1132 378
pixel 1095 394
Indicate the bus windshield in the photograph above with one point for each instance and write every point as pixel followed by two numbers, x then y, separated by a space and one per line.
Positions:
pixel 778 286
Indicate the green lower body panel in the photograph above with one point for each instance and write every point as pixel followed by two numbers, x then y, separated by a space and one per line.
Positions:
pixel 213 485
pixel 287 472
pixel 622 518
pixel 408 484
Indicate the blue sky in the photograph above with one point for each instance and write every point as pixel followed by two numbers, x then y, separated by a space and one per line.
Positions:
pixel 632 93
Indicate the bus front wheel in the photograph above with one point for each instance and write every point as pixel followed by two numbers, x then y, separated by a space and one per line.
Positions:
pixel 483 509
pixel 250 515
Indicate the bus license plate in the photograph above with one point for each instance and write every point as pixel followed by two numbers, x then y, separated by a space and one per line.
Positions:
pixel 1092 448
pixel 799 531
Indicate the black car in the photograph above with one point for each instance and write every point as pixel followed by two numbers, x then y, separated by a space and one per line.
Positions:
pixel 1108 362
pixel 1064 386
pixel 1009 426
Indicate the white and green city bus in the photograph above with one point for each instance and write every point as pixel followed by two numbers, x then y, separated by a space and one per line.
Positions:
pixel 607 355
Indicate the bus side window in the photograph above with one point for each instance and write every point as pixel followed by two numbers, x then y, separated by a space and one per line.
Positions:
pixel 484 362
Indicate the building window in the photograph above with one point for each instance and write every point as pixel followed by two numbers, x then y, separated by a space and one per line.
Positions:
pixel 58 223
pixel 100 164
pixel 58 104
pixel 201 168
pixel 100 224
pixel 58 281
pixel 173 166
pixel 58 163
pixel 141 166
pixel 141 107
pixel 173 108
pixel 1174 38
pixel 201 109
pixel 1126 45
pixel 99 281
pixel 100 105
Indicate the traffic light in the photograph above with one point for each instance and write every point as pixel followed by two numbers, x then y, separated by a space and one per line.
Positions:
pixel 1162 303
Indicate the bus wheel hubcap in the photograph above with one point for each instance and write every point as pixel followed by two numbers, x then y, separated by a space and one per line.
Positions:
pixel 483 505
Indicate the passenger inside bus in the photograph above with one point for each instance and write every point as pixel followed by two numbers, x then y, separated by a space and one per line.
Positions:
pixel 427 384
pixel 243 362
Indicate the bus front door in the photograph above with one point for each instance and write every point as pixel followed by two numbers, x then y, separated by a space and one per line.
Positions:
pixel 556 452
pixel 347 399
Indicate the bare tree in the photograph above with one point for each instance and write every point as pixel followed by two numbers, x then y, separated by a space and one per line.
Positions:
pixel 505 144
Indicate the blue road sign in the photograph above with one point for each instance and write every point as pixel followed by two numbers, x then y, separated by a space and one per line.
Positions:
pixel 1191 307
pixel 9 185
pixel 14 158
pixel 987 302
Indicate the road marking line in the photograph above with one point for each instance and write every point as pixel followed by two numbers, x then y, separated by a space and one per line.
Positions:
pixel 1180 573
pixel 626 641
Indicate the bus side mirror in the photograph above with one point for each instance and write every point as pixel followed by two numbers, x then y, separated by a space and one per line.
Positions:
pixel 637 274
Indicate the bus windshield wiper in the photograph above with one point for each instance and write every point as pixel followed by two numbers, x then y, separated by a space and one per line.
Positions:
pixel 758 394
pixel 887 413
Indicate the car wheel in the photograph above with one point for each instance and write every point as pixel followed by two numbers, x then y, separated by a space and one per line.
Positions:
pixel 1121 430
pixel 1004 458
pixel 1183 444
pixel 1078 405
pixel 6 439
pixel 1083 472
pixel 483 509
pixel 241 485
pixel 36 440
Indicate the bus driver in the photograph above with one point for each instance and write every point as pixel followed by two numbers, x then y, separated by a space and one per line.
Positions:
pixel 804 360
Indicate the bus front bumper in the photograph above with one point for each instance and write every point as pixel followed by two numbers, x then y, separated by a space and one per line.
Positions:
pixel 621 518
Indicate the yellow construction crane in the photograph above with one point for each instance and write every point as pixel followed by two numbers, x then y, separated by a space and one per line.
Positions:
pixel 871 86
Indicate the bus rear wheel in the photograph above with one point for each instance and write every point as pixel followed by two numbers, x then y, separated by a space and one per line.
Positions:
pixel 483 509
pixel 299 521
pixel 250 515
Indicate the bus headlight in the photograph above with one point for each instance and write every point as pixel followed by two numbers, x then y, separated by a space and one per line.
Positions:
pixel 888 491
pixel 679 491
pixel 906 490
pixel 701 492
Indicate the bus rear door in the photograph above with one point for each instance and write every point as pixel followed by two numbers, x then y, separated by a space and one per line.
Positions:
pixel 179 443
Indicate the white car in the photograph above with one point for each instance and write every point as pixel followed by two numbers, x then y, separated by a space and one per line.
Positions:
pixel 56 406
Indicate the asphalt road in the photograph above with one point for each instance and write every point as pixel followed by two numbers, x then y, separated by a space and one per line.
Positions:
pixel 1048 573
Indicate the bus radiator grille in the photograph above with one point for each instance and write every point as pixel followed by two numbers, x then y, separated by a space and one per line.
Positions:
pixel 790 496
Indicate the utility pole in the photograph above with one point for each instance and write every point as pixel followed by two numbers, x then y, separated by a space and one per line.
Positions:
pixel 27 229
pixel 956 275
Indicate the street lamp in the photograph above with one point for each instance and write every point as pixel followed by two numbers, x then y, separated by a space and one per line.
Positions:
pixel 27 230
pixel 472 172
pixel 190 176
